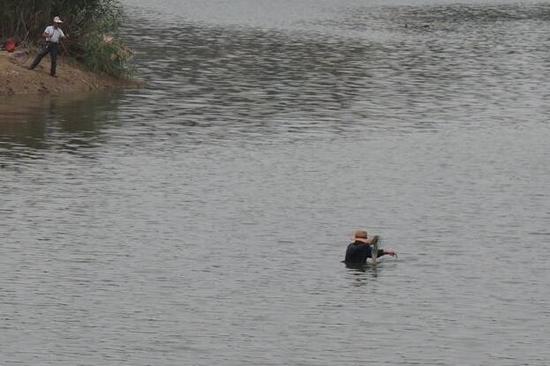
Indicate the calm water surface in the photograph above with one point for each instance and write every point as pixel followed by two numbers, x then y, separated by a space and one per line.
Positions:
pixel 202 219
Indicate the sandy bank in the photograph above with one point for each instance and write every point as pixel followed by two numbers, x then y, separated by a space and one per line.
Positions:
pixel 17 79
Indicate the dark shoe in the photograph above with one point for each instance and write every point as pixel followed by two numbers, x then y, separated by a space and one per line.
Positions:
pixel 53 76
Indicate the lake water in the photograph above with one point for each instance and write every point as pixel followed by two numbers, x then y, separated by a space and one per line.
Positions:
pixel 202 220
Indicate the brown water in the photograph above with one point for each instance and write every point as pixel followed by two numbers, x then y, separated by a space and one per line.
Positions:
pixel 202 220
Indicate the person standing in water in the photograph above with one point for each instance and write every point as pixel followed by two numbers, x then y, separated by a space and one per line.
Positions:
pixel 361 248
pixel 53 35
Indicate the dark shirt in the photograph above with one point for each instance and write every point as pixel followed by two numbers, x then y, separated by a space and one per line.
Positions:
pixel 358 252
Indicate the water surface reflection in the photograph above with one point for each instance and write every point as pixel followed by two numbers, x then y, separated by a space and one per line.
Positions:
pixel 257 81
pixel 65 123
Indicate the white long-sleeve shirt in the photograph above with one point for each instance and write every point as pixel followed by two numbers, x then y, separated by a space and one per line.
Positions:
pixel 54 34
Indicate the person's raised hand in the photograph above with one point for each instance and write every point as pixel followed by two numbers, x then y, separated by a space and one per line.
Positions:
pixel 390 252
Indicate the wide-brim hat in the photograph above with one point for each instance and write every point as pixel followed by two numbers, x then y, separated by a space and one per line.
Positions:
pixel 362 234
pixel 57 20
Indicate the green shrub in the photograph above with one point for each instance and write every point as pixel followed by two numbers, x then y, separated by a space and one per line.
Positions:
pixel 107 56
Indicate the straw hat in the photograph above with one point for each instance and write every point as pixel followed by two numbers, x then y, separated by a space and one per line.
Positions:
pixel 361 234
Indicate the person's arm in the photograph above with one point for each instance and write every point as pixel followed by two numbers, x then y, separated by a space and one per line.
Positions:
pixel 46 33
pixel 382 252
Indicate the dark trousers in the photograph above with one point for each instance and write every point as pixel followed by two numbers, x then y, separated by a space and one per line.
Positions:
pixel 53 50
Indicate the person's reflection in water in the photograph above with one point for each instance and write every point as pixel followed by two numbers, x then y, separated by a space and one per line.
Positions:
pixel 362 273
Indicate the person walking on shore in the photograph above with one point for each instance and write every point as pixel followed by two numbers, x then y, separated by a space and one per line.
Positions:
pixel 53 35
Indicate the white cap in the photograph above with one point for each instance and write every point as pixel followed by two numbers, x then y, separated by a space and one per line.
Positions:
pixel 57 20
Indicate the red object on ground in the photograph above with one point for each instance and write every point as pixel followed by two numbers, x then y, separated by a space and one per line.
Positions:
pixel 10 45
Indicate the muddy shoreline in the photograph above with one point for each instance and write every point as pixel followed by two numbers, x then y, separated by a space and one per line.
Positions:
pixel 17 79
